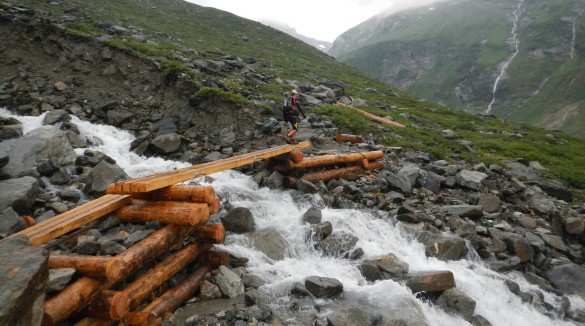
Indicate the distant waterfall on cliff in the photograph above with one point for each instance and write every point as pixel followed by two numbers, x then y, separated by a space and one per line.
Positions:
pixel 516 43
pixel 574 38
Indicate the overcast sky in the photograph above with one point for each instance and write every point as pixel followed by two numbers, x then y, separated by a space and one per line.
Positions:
pixel 320 19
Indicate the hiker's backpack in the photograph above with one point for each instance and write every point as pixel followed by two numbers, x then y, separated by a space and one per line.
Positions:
pixel 287 105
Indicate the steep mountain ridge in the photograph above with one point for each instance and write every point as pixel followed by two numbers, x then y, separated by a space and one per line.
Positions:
pixel 454 51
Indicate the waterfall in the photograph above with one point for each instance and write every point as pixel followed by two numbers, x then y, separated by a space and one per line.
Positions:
pixel 504 68
pixel 282 210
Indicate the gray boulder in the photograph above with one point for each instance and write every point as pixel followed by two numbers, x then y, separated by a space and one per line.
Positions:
pixel 323 287
pixel 40 144
pixel 349 317
pixel 569 278
pixel 470 179
pixel 337 244
pixel 18 193
pixel 102 175
pixel 23 278
pixel 456 301
pixel 166 144
pixel 10 223
pixel 238 220
pixel 443 247
pixel 228 282
pixel 270 242
pixel 312 216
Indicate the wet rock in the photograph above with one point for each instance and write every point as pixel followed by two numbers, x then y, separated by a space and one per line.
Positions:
pixel 270 242
pixel 443 247
pixel 434 281
pixel 239 220
pixel 337 244
pixel 166 144
pixel 323 287
pixel 382 268
pixel 312 216
pixel 321 231
pixel 574 225
pixel 349 317
pixel 457 302
pixel 275 181
pixel 252 281
pixel 255 297
pixel 24 273
pixel 10 128
pixel 569 278
pixel 54 116
pixel 554 241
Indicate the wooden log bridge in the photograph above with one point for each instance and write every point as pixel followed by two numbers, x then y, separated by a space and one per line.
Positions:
pixel 184 239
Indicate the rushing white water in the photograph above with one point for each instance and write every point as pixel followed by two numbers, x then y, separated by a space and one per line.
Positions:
pixel 516 42
pixel 278 209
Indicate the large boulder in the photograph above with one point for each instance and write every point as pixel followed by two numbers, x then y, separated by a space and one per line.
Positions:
pixel 18 193
pixel 43 143
pixel 569 278
pixel 104 174
pixel 270 242
pixel 443 247
pixel 470 179
pixel 23 278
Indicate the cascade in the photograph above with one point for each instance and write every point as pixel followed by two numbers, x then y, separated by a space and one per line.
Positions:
pixel 516 42
pixel 282 210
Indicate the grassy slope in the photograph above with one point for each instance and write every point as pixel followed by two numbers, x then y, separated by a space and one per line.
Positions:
pixel 187 26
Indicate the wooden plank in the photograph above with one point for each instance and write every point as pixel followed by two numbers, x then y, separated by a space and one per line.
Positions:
pixel 71 220
pixel 166 179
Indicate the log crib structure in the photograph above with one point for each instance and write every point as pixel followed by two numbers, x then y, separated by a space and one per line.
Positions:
pixel 106 290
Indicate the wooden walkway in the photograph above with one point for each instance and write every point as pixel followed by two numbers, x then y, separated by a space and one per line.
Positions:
pixel 117 193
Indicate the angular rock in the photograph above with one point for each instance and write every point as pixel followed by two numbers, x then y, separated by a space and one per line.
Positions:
pixel 399 182
pixel 104 174
pixel 42 143
pixel 228 282
pixel 209 291
pixel 59 278
pixel 470 179
pixel 10 223
pixel 490 203
pixel 18 193
pixel 323 287
pixel 23 273
pixel 443 247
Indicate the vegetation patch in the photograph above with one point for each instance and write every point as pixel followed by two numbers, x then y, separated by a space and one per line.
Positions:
pixel 222 95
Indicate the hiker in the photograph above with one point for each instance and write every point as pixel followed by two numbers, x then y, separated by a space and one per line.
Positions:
pixel 290 111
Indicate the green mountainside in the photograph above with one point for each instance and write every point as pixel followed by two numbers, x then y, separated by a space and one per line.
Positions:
pixel 177 33
pixel 453 52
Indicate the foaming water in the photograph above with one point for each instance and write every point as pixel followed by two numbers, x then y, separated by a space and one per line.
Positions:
pixel 282 210
pixel 109 140
pixel 377 236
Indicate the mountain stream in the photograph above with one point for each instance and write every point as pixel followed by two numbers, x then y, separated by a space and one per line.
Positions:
pixel 282 210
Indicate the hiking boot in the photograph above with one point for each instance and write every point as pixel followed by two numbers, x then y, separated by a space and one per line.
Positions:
pixel 287 139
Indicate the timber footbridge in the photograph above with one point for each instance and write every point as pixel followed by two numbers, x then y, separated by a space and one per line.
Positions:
pixel 132 288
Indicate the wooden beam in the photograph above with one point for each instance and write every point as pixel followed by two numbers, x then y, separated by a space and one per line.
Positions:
pixel 166 179
pixel 63 223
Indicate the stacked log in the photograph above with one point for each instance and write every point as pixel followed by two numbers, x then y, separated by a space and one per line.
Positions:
pixel 326 167
pixel 106 292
